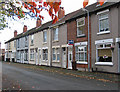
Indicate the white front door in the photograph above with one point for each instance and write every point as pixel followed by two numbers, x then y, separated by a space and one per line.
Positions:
pixel 119 58
pixel 39 57
pixel 64 58
pixel 70 57
pixel 36 58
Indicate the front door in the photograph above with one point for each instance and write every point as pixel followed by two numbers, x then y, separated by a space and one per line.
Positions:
pixel 39 57
pixel 22 57
pixel 119 58
pixel 64 57
pixel 36 57
pixel 70 57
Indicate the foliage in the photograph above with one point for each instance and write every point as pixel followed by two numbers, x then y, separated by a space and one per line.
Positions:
pixel 33 8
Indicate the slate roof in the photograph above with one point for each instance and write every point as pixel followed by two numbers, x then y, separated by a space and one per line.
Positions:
pixel 93 8
pixel 71 16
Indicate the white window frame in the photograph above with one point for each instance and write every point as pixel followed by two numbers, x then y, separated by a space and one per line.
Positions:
pixel 31 54
pixel 79 20
pixel 44 32
pixel 44 54
pixel 55 36
pixel 85 60
pixel 103 63
pixel 56 54
pixel 99 19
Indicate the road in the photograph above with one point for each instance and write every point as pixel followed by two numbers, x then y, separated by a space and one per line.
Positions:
pixel 15 77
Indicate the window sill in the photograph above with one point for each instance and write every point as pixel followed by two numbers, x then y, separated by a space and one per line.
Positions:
pixel 45 60
pixel 106 32
pixel 54 61
pixel 83 35
pixel 55 41
pixel 78 62
pixel 44 42
pixel 31 59
pixel 104 63
pixel 32 45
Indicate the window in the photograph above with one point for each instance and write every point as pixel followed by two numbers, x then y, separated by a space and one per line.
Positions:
pixel 18 43
pixel 103 22
pixel 81 53
pixel 32 54
pixel 32 38
pixel 26 55
pixel 9 46
pixel 45 36
pixel 26 44
pixel 14 43
pixel 55 34
pixel 80 27
pixel 18 55
pixel 56 54
pixel 45 54
pixel 104 53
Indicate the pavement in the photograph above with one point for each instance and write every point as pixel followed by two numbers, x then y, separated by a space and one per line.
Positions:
pixel 31 77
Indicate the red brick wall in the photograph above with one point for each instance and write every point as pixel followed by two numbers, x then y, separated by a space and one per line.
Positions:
pixel 72 35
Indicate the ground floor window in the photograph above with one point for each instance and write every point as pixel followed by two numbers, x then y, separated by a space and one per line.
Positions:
pixel 81 53
pixel 26 55
pixel 32 54
pixel 56 54
pixel 18 55
pixel 45 54
pixel 104 53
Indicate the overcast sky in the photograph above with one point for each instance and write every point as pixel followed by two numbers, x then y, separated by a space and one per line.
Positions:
pixel 69 6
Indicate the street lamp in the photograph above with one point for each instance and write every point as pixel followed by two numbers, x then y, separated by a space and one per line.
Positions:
pixel 88 39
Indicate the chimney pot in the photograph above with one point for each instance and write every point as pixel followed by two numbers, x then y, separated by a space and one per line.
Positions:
pixel 15 33
pixel 61 12
pixel 24 29
pixel 38 22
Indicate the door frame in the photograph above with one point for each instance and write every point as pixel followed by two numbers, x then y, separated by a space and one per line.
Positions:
pixel 39 55
pixel 70 47
pixel 65 59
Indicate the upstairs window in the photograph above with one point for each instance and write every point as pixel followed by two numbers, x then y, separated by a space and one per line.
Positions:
pixel 103 22
pixel 32 38
pixel 55 34
pixel 80 27
pixel 26 44
pixel 45 36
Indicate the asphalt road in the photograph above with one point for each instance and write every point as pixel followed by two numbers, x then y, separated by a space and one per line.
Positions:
pixel 20 78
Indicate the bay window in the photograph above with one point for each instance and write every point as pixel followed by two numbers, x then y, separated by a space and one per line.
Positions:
pixel 104 53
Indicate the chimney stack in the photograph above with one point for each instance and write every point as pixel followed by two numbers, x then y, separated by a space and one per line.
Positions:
pixel 38 22
pixel 24 29
pixel 15 33
pixel 61 12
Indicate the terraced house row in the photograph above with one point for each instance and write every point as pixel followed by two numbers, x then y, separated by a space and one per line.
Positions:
pixel 72 42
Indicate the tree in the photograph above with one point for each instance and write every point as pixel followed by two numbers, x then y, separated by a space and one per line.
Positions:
pixel 33 8
pixel 85 2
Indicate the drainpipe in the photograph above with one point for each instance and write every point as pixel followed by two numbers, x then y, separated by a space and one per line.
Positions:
pixel 88 39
